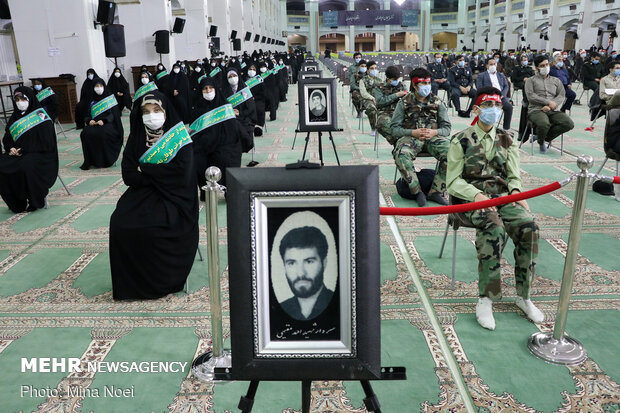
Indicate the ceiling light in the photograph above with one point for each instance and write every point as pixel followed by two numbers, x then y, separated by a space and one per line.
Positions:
pixel 399 2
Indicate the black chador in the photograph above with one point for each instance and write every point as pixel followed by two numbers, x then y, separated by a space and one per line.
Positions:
pixel 119 87
pixel 179 92
pixel 102 137
pixel 86 96
pixel 154 228
pixel 29 162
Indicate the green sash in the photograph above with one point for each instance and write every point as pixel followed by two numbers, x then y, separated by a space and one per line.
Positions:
pixel 26 123
pixel 240 97
pixel 254 81
pixel 103 105
pixel 265 75
pixel 215 71
pixel 144 90
pixel 167 147
pixel 44 94
pixel 224 112
pixel 275 69
pixel 200 78
pixel 161 74
pixel 243 65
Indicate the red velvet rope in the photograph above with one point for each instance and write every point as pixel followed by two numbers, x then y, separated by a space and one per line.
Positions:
pixel 452 209
pixel 616 179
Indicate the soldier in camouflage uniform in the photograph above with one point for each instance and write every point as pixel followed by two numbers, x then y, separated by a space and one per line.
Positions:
pixel 420 122
pixel 386 97
pixel 483 163
pixel 367 85
pixel 354 78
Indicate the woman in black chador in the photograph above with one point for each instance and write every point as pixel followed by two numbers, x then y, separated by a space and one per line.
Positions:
pixel 29 163
pixel 50 103
pixel 102 137
pixel 86 96
pixel 154 228
pixel 258 92
pixel 246 112
pixel 179 92
pixel 118 86
pixel 220 144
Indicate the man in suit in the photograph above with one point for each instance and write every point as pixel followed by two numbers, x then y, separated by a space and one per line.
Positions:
pixel 493 78
pixel 304 253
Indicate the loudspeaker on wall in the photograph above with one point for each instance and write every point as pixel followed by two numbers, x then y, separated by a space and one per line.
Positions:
pixel 162 41
pixel 179 24
pixel 114 40
pixel 237 44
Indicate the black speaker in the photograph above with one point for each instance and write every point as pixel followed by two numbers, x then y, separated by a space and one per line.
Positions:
pixel 248 36
pixel 114 40
pixel 263 39
pixel 233 34
pixel 216 43
pixel 179 25
pixel 105 12
pixel 237 44
pixel 256 38
pixel 162 41
pixel 212 31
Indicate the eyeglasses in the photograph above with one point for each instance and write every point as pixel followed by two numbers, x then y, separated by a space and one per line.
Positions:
pixel 489 104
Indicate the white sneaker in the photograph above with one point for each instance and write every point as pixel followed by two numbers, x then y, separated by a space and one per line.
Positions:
pixel 373 133
pixel 530 310
pixel 484 313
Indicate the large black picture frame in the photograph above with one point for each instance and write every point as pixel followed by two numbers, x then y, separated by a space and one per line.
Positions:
pixel 311 120
pixel 260 202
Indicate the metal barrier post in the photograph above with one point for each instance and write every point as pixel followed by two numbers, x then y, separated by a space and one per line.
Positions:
pixel 203 366
pixel 558 347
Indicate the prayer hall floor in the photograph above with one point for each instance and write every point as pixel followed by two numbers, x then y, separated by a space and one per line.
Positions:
pixel 56 300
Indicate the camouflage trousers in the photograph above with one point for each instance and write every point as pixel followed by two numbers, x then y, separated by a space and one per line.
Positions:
pixel 407 149
pixel 371 111
pixel 492 232
pixel 356 98
pixel 382 126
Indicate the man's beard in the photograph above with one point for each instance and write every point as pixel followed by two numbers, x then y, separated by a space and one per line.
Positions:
pixel 302 291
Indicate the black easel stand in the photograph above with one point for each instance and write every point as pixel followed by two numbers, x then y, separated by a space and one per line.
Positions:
pixel 331 138
pixel 370 401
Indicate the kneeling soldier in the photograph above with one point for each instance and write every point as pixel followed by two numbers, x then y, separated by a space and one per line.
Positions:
pixel 483 163
pixel 420 123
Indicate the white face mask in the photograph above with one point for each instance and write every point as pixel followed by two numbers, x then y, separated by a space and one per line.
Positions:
pixel 154 121
pixel 492 69
pixel 234 80
pixel 117 74
pixel 263 69
pixel 176 70
pixel 280 62
pixel 99 90
pixel 251 73
pixel 144 80
pixel 198 69
pixel 91 77
pixel 544 71
pixel 213 64
pixel 22 105
pixel 209 96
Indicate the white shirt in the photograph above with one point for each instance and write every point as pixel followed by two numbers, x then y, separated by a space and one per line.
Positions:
pixel 494 81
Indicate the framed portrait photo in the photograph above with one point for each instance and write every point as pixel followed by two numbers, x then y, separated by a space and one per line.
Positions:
pixel 304 273
pixel 317 105
pixel 311 74
pixel 309 66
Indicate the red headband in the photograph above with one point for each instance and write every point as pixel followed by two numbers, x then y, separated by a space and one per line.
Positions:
pixel 420 79
pixel 484 98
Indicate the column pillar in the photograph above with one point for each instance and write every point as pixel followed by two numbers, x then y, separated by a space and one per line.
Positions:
pixel 477 38
pixel 510 41
pixel 461 24
pixel 193 42
pixel 55 37
pixel 425 24
pixel 221 18
pixel 492 27
pixel 616 43
pixel 283 24
pixel 312 6
pixel 351 7
pixel 529 25
pixel 556 36
pixel 586 33
pixel 388 30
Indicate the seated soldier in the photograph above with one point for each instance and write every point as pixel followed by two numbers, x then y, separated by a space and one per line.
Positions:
pixel 356 96
pixel 439 74
pixel 462 84
pixel 545 95
pixel 610 85
pixel 592 72
pixel 386 96
pixel 367 85
pixel 483 163
pixel 352 71
pixel 421 123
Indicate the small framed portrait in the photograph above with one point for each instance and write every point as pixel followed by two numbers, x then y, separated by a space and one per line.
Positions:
pixel 304 286
pixel 317 105
pixel 311 74
pixel 309 66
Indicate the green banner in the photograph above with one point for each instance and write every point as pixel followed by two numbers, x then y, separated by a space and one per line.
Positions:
pixel 103 105
pixel 44 94
pixel 149 87
pixel 167 147
pixel 26 123
pixel 254 81
pixel 215 71
pixel 265 75
pixel 161 74
pixel 240 97
pixel 243 65
pixel 200 78
pixel 211 118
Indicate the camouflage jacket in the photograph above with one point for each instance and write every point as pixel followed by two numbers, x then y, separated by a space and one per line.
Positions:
pixel 385 96
pixel 356 78
pixel 412 114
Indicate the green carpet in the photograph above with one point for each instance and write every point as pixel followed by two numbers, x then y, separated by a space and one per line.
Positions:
pixel 56 301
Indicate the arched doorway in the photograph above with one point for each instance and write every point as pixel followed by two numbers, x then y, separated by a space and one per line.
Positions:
pixel 335 42
pixel 297 41
pixel 365 42
pixel 403 41
pixel 444 40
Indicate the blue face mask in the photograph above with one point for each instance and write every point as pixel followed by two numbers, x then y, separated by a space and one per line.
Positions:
pixel 595 62
pixel 38 87
pixel 614 55
pixel 524 62
pixel 560 64
pixel 363 69
pixel 424 90
pixel 394 82
pixel 617 72
pixel 374 73
pixel 461 63
pixel 490 116
pixel 358 60
pixel 438 60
